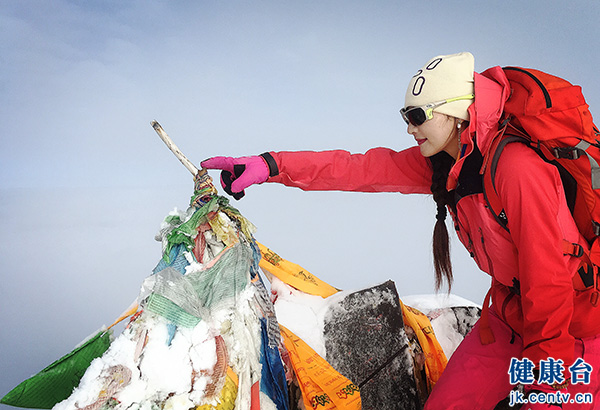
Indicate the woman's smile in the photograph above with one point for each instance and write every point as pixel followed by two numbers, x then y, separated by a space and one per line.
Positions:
pixel 440 134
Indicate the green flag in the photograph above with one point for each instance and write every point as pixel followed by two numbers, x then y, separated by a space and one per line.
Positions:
pixel 56 382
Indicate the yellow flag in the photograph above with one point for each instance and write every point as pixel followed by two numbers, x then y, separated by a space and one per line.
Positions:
pixel 294 275
pixel 298 277
pixel 435 359
pixel 321 385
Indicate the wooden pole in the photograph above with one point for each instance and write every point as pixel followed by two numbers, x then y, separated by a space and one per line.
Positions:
pixel 174 149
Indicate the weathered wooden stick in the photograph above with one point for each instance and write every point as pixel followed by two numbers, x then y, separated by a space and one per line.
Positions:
pixel 167 140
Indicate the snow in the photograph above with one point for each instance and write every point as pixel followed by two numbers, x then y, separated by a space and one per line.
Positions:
pixel 154 362
pixel 426 303
pixel 447 323
pixel 165 372
pixel 304 314
pixel 301 313
pixel 168 372
pixel 163 369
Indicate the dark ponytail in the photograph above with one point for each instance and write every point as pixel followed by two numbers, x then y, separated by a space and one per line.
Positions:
pixel 441 164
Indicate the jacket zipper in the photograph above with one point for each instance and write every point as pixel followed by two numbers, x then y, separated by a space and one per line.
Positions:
pixel 458 228
pixel 505 304
pixel 511 295
pixel 486 253
pixel 491 267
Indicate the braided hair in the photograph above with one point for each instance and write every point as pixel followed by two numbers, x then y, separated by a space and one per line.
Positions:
pixel 441 164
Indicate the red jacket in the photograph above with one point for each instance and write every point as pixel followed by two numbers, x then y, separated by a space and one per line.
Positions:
pixel 548 313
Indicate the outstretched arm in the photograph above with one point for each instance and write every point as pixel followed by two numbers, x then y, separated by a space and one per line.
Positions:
pixel 377 170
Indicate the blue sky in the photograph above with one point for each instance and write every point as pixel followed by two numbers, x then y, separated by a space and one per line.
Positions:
pixel 85 181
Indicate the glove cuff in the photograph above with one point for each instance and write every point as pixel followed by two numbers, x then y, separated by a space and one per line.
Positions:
pixel 271 163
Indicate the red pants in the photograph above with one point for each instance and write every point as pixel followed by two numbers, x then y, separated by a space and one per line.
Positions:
pixel 477 377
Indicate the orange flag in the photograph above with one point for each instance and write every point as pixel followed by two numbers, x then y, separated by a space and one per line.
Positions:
pixel 294 275
pixel 301 279
pixel 435 359
pixel 321 385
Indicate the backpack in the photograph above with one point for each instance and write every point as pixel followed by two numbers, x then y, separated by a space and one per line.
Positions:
pixel 550 115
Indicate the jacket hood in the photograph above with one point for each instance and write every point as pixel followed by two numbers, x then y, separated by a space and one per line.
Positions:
pixel 492 89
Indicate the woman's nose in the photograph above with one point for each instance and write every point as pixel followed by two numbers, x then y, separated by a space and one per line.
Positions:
pixel 411 129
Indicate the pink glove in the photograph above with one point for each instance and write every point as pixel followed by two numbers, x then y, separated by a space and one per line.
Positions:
pixel 239 173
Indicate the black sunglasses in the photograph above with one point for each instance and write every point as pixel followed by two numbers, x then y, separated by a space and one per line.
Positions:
pixel 418 115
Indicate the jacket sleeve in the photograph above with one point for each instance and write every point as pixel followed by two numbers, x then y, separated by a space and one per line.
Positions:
pixel 377 170
pixel 532 194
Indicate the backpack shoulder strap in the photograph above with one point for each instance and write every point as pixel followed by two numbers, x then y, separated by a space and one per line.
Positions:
pixel 550 156
pixel 489 174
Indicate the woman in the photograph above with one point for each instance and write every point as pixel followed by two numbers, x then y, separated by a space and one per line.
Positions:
pixel 453 114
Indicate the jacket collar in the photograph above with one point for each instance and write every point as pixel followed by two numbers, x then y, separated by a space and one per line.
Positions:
pixel 491 92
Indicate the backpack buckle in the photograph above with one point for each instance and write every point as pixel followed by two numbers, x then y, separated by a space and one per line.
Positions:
pixel 594 298
pixel 573 249
pixel 596 227
pixel 578 250
pixel 567 152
